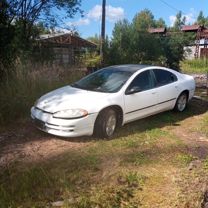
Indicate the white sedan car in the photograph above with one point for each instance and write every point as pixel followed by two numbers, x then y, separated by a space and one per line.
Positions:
pixel 112 97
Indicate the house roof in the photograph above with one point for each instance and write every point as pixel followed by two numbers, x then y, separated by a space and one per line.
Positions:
pixel 67 39
pixel 190 28
pixel 157 30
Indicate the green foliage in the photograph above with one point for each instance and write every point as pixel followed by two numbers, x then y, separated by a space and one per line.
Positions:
pixel 25 185
pixel 202 20
pixel 16 37
pixel 131 43
pixel 179 22
pixel 144 20
pixel 160 23
pixel 185 159
pixel 93 60
pixel 195 66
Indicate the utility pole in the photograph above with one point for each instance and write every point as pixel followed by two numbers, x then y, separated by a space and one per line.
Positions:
pixel 102 40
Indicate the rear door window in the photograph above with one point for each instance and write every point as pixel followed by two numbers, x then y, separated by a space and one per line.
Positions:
pixel 164 77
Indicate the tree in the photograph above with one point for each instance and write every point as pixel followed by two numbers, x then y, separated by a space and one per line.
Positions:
pixel 160 23
pixel 179 21
pixel 144 20
pixel 25 13
pixel 201 19
pixel 95 39
pixel 19 24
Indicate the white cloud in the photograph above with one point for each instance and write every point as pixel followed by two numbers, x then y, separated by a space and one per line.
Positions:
pixel 80 22
pixel 190 17
pixel 95 12
pixel 172 19
pixel 113 14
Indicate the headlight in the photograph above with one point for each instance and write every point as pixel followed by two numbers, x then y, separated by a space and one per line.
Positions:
pixel 71 113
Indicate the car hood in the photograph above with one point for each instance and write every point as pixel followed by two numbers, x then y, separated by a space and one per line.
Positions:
pixel 69 98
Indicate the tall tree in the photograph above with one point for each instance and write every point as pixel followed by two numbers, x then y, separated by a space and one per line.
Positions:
pixel 201 19
pixel 179 21
pixel 18 24
pixel 160 23
pixel 25 13
pixel 144 20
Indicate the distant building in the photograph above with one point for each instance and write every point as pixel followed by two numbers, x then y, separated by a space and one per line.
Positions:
pixel 66 48
pixel 190 50
pixel 161 30
pixel 199 48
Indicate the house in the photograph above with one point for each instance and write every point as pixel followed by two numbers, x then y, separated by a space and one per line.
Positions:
pixel 65 48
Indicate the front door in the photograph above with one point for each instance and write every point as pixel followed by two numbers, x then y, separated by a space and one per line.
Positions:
pixel 140 97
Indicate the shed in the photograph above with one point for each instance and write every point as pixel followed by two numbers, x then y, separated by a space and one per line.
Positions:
pixel 66 47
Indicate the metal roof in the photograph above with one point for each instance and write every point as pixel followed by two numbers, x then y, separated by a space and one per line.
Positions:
pixel 65 39
pixel 157 30
pixel 188 28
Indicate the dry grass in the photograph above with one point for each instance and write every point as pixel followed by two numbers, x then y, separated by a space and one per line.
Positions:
pixel 145 165
pixel 28 83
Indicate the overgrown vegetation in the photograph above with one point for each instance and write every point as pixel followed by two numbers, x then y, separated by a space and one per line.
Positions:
pixel 22 21
pixel 195 66
pixel 132 43
pixel 27 84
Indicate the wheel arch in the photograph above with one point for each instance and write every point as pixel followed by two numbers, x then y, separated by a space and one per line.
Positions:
pixel 119 113
pixel 186 92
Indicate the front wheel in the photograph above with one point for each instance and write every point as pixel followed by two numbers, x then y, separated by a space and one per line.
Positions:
pixel 181 102
pixel 106 123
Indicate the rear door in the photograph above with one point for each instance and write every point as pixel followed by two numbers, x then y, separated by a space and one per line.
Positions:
pixel 142 103
pixel 167 89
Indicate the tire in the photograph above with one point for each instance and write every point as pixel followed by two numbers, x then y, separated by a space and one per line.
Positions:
pixel 106 123
pixel 181 102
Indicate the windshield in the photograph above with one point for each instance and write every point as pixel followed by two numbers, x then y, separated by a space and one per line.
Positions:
pixel 106 80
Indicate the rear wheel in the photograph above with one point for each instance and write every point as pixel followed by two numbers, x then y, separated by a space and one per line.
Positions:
pixel 106 123
pixel 181 102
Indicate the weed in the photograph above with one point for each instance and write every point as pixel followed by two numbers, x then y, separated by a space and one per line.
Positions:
pixel 184 159
pixel 133 178
pixel 136 158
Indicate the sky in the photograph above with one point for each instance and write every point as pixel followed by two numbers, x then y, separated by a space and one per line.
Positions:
pixel 90 24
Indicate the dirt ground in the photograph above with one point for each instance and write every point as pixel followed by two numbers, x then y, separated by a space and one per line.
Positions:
pixel 24 143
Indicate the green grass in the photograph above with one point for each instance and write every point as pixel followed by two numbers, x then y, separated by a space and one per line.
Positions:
pixel 195 66
pixel 184 158
pixel 128 171
pixel 143 165
pixel 19 93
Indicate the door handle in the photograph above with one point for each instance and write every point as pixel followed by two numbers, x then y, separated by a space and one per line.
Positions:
pixel 153 93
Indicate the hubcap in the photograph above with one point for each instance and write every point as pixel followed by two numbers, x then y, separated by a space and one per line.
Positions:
pixel 182 102
pixel 111 125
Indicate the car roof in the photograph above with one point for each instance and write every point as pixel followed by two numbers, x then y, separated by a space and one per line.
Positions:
pixel 128 67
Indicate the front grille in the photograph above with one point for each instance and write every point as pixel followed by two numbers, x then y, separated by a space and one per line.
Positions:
pixel 46 126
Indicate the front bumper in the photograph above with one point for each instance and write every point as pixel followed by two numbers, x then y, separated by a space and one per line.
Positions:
pixel 63 127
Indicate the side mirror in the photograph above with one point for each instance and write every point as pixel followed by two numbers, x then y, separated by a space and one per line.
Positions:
pixel 133 90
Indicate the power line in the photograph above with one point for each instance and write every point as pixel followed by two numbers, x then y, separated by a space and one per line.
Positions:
pixel 172 7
